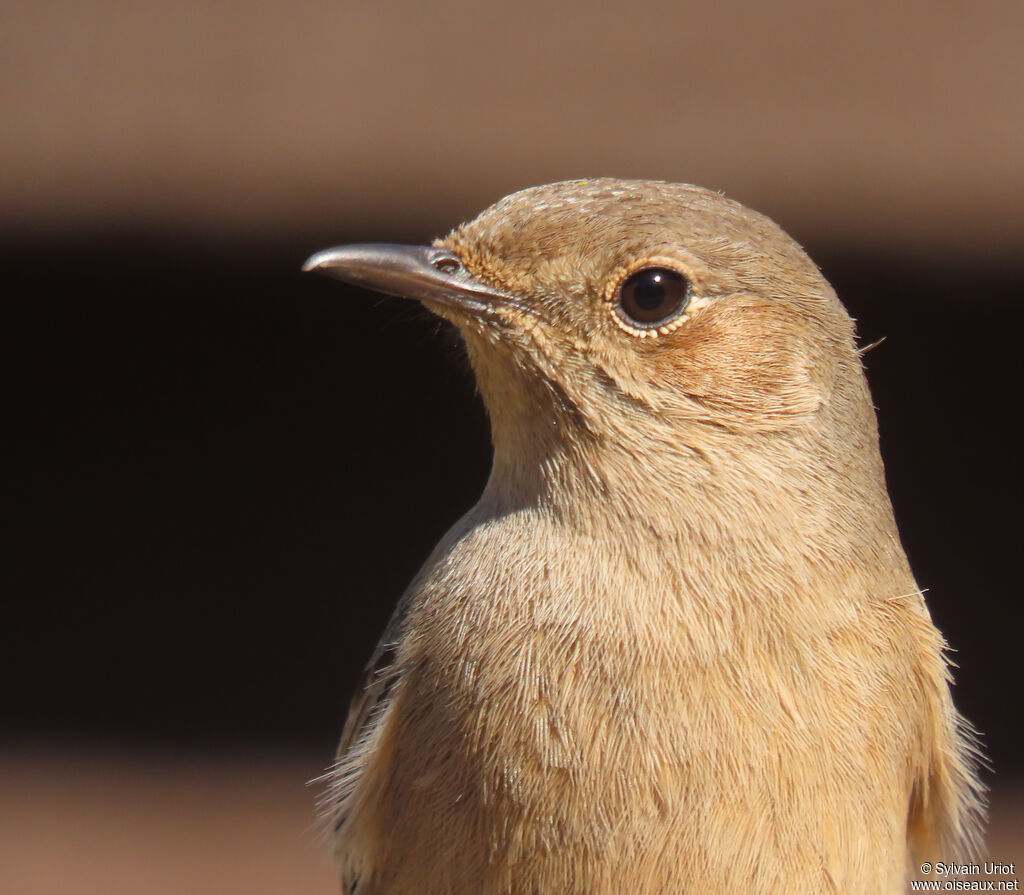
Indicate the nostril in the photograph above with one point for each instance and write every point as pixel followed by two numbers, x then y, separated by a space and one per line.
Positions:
pixel 447 264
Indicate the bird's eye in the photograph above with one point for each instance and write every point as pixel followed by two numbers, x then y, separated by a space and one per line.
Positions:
pixel 652 296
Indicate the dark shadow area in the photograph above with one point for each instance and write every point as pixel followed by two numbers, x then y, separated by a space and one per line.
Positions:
pixel 219 474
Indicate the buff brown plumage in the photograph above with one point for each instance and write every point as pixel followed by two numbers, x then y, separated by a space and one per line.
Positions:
pixel 676 646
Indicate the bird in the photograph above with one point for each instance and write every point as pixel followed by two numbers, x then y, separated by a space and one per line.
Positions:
pixel 676 646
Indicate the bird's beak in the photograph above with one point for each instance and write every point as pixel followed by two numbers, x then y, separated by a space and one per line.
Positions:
pixel 424 273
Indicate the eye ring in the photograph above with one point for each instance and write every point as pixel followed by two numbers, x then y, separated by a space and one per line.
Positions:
pixel 651 299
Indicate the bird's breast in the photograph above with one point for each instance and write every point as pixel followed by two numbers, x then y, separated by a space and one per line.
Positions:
pixel 578 704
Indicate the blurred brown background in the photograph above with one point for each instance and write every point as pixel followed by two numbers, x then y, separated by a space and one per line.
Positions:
pixel 219 474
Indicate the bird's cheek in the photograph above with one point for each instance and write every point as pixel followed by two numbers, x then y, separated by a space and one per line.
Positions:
pixel 750 357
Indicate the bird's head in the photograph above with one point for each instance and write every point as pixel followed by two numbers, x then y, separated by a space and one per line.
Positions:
pixel 614 315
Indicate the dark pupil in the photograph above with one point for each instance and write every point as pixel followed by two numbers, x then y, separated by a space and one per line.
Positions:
pixel 649 292
pixel 650 297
